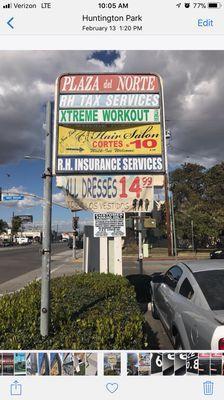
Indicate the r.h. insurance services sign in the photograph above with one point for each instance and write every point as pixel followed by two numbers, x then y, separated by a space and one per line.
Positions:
pixel 109 123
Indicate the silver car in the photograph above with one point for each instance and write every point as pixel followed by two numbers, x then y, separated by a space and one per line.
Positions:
pixel 189 301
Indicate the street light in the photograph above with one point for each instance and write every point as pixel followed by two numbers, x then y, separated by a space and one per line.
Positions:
pixel 34 158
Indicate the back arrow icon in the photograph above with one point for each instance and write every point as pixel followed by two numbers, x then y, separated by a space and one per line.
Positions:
pixel 9 23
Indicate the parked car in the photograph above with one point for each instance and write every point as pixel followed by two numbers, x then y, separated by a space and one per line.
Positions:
pixel 217 254
pixel 23 240
pixel 189 301
pixel 6 243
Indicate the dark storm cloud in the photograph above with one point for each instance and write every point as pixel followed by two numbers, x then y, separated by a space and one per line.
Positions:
pixel 194 97
pixel 194 100
pixel 26 83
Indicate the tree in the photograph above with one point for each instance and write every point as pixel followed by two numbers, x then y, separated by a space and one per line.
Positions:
pixel 16 224
pixel 199 197
pixel 3 226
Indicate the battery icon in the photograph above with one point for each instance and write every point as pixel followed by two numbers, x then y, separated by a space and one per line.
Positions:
pixel 214 5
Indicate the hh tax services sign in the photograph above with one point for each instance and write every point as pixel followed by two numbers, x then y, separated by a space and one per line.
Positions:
pixel 109 123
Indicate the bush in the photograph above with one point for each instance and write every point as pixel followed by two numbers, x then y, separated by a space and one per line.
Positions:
pixel 88 311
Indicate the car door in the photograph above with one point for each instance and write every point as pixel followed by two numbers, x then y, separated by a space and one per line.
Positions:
pixel 165 297
pixel 193 323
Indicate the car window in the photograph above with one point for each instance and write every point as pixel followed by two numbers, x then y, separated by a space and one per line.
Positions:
pixel 172 276
pixel 186 289
pixel 212 286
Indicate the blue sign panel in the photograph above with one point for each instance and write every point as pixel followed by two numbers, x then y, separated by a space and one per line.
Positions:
pixel 13 198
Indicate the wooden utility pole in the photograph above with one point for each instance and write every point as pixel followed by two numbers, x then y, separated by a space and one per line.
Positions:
pixel 168 216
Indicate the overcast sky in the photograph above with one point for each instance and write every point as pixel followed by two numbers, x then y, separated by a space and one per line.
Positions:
pixel 194 102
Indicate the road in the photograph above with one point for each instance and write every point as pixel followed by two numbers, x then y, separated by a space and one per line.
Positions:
pixel 16 261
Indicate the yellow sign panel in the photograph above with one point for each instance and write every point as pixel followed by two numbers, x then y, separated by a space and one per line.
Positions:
pixel 134 140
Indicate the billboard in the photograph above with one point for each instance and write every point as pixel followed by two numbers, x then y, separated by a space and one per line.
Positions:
pixel 110 193
pixel 108 123
pixel 25 218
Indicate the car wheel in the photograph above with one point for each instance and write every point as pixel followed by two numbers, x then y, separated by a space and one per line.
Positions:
pixel 177 342
pixel 154 310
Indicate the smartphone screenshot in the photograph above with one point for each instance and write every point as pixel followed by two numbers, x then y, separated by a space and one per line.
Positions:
pixel 111 199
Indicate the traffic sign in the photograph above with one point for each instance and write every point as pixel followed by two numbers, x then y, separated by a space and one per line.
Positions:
pixel 12 197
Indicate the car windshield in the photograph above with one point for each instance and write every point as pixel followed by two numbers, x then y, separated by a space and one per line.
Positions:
pixel 212 286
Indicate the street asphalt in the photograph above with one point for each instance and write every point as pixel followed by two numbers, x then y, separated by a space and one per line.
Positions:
pixel 16 261
pixel 27 265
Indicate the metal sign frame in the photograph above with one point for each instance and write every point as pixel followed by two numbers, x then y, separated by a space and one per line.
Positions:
pixel 161 123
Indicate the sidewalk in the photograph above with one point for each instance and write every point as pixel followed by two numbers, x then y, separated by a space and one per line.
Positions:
pixel 157 256
pixel 62 264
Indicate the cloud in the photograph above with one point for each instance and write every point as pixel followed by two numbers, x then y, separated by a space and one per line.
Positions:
pixel 59 198
pixel 193 85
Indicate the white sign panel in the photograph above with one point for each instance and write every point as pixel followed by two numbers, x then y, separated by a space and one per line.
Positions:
pixel 109 100
pixel 109 225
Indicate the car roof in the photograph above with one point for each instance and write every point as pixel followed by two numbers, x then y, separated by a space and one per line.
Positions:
pixel 203 265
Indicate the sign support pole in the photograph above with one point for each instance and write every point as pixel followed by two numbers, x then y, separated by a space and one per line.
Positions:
pixel 118 255
pixel 103 257
pixel 74 242
pixel 174 228
pixel 140 251
pixel 46 240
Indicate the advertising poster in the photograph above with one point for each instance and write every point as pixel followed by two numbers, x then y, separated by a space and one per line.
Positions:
pixel 110 193
pixel 136 140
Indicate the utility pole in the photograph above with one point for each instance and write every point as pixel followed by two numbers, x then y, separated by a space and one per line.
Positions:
pixel 74 245
pixel 140 250
pixel 168 216
pixel 174 228
pixel 46 239
pixel 192 234
pixel 74 227
pixel 167 199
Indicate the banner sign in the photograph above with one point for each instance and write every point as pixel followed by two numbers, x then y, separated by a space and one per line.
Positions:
pixel 111 165
pixel 104 119
pixel 106 83
pixel 108 116
pixel 109 225
pixel 113 193
pixel 140 140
